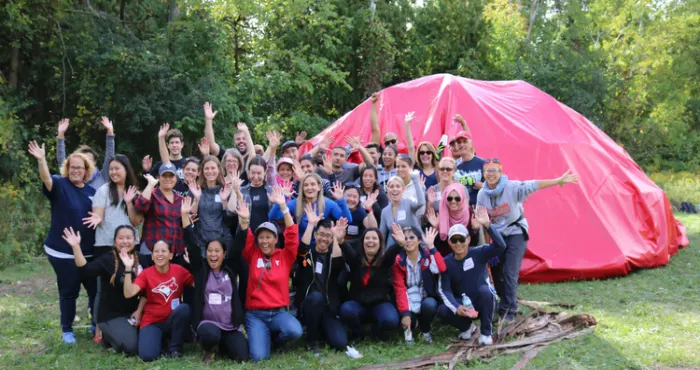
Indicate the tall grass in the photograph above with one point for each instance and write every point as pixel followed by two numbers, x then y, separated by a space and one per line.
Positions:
pixel 679 186
pixel 24 221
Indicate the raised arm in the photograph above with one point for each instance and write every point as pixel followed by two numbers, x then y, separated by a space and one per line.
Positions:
pixel 61 141
pixel 193 249
pixel 209 115
pixel 277 198
pixel 420 192
pixel 39 152
pixel 566 178
pixel 374 120
pixel 162 145
pixel 371 220
pixel 313 219
pixel 250 146
pixel 462 123
pixel 109 147
pixel 130 289
pixel 322 146
pixel 134 216
pixel 410 116
pixel 274 139
pixel 355 143
pixel 143 202
pixel 73 239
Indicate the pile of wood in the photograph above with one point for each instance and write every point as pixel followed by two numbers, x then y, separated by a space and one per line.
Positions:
pixel 527 334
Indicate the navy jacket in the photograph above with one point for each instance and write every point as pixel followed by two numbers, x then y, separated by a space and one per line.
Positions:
pixel 431 265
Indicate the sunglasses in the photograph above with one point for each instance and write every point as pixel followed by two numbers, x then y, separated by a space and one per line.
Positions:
pixel 458 239
pixel 455 199
pixel 426 152
pixel 492 160
pixel 390 142
pixel 446 169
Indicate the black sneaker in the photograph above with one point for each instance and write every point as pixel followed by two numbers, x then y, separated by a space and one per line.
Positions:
pixel 175 354
pixel 314 348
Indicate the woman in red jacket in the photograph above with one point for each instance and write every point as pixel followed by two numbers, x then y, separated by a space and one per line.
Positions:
pixel 416 272
pixel 267 297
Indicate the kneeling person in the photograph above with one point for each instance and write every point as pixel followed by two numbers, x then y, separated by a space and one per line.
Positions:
pixel 465 283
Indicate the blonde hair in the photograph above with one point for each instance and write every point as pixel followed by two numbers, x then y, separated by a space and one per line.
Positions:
pixel 433 158
pixel 397 179
pixel 89 166
pixel 301 200
pixel 449 159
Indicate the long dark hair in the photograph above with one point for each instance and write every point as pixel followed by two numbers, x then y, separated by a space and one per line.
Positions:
pixel 380 253
pixel 376 178
pixel 396 154
pixel 129 181
pixel 117 260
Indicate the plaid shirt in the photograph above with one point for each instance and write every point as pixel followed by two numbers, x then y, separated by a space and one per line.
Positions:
pixel 162 220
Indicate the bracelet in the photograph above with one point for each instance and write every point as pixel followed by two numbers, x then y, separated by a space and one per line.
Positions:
pixel 561 183
pixel 286 211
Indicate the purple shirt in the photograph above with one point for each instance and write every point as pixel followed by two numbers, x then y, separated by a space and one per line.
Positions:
pixel 217 301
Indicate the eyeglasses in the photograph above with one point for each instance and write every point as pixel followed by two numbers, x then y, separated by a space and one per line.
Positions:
pixel 446 169
pixel 492 171
pixel 390 142
pixel 324 235
pixel 454 199
pixel 232 160
pixel 458 239
pixel 73 168
pixel 425 152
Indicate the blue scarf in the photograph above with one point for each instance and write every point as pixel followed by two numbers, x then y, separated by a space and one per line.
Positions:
pixel 499 188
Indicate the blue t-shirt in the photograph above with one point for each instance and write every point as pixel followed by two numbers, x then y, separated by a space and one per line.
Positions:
pixel 69 205
pixel 474 170
pixel 431 179
pixel 334 210
pixel 357 226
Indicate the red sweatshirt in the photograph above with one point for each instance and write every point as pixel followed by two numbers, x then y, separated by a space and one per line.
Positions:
pixel 431 265
pixel 268 287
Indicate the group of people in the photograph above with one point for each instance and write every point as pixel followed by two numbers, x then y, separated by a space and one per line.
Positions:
pixel 242 250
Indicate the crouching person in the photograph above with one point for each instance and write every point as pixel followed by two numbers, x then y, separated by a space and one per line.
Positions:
pixel 118 315
pixel 164 313
pixel 267 318
pixel 416 272
pixel 217 313
pixel 465 287
pixel 316 280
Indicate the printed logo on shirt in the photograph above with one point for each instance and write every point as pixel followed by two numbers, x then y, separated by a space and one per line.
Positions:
pixel 166 288
pixel 473 175
pixel 180 174
pixel 499 211
pixel 277 262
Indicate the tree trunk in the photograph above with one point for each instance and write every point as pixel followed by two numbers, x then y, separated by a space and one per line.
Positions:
pixel 174 10
pixel 14 68
pixel 533 15
pixel 122 5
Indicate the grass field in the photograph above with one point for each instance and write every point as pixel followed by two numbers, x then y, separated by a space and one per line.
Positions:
pixel 649 319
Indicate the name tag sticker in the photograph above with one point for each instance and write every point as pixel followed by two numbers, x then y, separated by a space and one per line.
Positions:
pixel 400 215
pixel 214 298
pixel 261 264
pixel 353 230
pixel 217 198
pixel 468 264
pixel 174 303
pixel 256 198
pixel 319 268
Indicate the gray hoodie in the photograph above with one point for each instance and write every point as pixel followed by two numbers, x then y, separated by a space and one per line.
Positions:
pixel 505 204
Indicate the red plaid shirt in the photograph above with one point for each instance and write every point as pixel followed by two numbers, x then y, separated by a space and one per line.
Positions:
pixel 162 220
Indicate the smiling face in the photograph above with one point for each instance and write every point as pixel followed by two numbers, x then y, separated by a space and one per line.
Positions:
pixel 76 170
pixel 161 254
pixel 291 152
pixel 215 255
pixel 390 139
pixel 211 171
pixel 124 240
pixel 175 146
pixel 455 149
pixel 375 154
pixel 466 145
pixel 412 240
pixel 285 171
pixel 311 189
pixel 459 244
pixel 167 181
pixel 190 171
pixel 338 158
pixel 352 198
pixel 117 172
pixel 403 169
pixel 256 175
pixel 370 244
pixel 394 190
pixel 232 164
pixel 446 170
pixel 308 166
pixel 267 242
pixel 425 155
pixel 368 179
pixel 324 239
pixel 389 158
pixel 492 172
pixel 454 201
pixel 239 140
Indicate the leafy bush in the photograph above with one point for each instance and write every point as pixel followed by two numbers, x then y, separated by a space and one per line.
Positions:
pixel 679 186
pixel 24 222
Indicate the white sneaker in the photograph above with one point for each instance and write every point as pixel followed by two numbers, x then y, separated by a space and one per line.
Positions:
pixel 76 318
pixel 353 353
pixel 485 340
pixel 466 335
pixel 427 338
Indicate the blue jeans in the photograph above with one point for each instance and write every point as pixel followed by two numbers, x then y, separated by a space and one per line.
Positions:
pixel 484 302
pixel 68 280
pixel 261 324
pixel 383 316
pixel 151 336
pixel 428 309
pixel 506 273
pixel 317 317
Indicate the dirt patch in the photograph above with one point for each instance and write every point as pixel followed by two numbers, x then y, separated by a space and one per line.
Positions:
pixel 29 287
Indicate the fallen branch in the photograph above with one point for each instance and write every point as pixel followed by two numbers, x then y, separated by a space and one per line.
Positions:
pixel 529 355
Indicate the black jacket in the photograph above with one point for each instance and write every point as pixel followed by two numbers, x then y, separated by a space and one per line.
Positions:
pixel 200 270
pixel 305 277
pixel 379 287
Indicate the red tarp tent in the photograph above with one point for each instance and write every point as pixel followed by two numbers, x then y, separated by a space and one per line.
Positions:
pixel 614 221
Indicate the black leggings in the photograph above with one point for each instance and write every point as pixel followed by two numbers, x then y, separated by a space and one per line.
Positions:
pixel 233 343
pixel 120 335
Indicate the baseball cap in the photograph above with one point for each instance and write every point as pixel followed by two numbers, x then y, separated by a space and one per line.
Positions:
pixel 461 134
pixel 458 229
pixel 269 226
pixel 167 167
pixel 286 160
pixel 289 144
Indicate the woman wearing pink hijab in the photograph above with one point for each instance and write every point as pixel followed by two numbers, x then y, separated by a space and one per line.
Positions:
pixel 454 209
